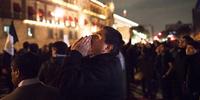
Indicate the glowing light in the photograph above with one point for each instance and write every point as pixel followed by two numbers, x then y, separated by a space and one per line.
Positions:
pixel 98 3
pixel 135 40
pixel 124 12
pixel 94 14
pixel 29 32
pixel 67 23
pixel 61 2
pixel 159 33
pixel 81 20
pixel 124 20
pixel 43 24
pixel 111 6
pixel 66 39
pixel 156 38
pixel 86 32
pixel 94 29
pixel 172 37
pixel 58 13
pixel 141 35
pixel 73 24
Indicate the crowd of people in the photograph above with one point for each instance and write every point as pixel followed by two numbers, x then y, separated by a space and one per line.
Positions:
pixel 102 67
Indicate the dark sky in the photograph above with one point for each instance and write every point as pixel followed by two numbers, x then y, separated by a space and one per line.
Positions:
pixel 156 12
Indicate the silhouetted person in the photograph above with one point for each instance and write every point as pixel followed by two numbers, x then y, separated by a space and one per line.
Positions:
pixel 193 53
pixel 50 69
pixel 24 76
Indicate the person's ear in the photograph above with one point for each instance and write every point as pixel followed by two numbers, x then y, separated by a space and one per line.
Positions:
pixel 107 48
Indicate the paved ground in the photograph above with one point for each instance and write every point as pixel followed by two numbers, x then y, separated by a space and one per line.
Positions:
pixel 138 94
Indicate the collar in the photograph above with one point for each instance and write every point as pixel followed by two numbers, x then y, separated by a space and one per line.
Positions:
pixel 29 82
pixel 59 55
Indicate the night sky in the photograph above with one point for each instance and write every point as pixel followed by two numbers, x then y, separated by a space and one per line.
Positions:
pixel 156 12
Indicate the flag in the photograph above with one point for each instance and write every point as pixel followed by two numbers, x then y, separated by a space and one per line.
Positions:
pixel 11 40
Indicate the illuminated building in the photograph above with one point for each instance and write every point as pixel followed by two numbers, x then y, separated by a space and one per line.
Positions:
pixel 46 21
pixel 196 17
pixel 123 24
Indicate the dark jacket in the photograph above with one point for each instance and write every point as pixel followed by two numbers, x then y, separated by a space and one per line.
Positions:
pixel 33 92
pixel 49 71
pixel 194 72
pixel 180 63
pixel 96 78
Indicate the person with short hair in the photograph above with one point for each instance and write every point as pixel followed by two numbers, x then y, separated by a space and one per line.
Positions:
pixel 50 69
pixel 193 68
pixel 93 71
pixel 24 76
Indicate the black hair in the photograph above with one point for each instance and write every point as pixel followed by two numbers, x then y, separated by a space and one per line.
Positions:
pixel 34 47
pixel 28 64
pixel 113 37
pixel 188 39
pixel 26 45
pixel 61 47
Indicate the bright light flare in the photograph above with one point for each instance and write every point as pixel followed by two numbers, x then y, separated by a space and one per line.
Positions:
pixel 156 38
pixel 159 33
pixel 172 37
pixel 58 13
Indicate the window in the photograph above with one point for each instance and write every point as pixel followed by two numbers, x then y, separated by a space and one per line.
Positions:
pixel 5 31
pixel 30 32
pixel 50 33
pixel 31 12
pixel 16 10
pixel 61 33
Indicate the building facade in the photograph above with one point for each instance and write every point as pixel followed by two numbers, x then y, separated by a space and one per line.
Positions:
pixel 46 21
pixel 196 17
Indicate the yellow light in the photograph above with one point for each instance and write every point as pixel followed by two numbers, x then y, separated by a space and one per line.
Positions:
pixel 94 14
pixel 86 32
pixel 94 29
pixel 141 35
pixel 58 13
pixel 111 6
pixel 81 20
pixel 61 2
pixel 125 20
pixel 98 3
pixel 43 24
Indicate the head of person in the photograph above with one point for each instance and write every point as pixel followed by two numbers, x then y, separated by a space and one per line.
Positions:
pixel 59 47
pixel 107 40
pixel 184 40
pixel 24 66
pixel 26 45
pixel 192 48
pixel 162 48
pixel 34 47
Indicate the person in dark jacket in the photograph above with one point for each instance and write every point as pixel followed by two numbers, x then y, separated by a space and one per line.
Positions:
pixel 180 65
pixel 51 68
pixel 164 65
pixel 24 76
pixel 192 51
pixel 93 71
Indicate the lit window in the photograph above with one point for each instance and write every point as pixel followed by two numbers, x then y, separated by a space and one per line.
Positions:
pixel 6 29
pixel 30 32
pixel 50 33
